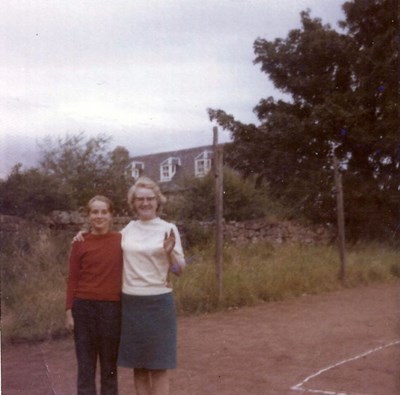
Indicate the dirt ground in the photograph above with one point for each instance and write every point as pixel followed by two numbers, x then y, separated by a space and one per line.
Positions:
pixel 346 342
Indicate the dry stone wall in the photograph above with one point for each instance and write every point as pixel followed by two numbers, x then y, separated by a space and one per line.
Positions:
pixel 276 232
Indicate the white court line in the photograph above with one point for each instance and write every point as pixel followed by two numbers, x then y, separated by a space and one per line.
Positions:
pixel 300 386
pixel 53 391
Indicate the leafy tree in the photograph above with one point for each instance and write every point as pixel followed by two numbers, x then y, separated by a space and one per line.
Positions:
pixel 72 170
pixel 79 165
pixel 31 193
pixel 342 97
pixel 118 178
pixel 85 168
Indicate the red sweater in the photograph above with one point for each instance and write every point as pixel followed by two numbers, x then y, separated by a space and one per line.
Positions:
pixel 95 268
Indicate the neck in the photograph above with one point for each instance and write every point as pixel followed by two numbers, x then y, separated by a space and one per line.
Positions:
pixel 99 232
pixel 144 219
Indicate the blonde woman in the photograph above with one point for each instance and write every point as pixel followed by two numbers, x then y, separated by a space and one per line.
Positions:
pixel 151 250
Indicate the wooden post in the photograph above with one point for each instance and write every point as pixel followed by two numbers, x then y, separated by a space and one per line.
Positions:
pixel 340 219
pixel 219 198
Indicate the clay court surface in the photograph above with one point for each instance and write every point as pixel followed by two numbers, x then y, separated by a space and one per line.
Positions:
pixel 346 342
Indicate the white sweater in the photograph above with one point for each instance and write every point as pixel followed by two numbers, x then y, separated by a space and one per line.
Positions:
pixel 146 264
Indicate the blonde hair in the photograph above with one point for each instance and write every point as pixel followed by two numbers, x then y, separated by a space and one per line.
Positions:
pixel 148 183
pixel 103 199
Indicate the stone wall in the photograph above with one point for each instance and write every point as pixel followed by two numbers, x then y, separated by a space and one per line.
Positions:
pixel 276 232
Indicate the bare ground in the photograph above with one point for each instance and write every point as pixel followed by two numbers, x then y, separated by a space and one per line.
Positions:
pixel 346 342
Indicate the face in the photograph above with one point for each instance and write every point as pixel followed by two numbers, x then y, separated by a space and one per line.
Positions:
pixel 145 204
pixel 100 217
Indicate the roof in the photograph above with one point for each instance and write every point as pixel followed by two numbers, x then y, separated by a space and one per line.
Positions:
pixel 152 163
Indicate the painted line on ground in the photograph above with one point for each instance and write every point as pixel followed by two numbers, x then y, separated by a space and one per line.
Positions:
pixel 300 386
pixel 48 375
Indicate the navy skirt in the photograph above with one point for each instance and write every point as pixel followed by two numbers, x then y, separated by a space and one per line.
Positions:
pixel 148 332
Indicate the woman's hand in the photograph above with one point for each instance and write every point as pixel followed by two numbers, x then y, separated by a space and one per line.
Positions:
pixel 169 242
pixel 175 266
pixel 69 320
pixel 79 236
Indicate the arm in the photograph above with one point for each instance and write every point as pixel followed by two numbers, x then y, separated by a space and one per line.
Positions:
pixel 73 275
pixel 79 236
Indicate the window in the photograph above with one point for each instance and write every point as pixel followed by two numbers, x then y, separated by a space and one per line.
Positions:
pixel 168 168
pixel 137 169
pixel 203 163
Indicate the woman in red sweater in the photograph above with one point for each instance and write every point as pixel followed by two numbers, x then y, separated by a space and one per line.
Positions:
pixel 93 309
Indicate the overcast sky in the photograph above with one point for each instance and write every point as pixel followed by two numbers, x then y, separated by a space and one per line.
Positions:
pixel 142 71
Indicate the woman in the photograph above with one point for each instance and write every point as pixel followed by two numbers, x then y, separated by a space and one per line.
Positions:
pixel 93 309
pixel 151 249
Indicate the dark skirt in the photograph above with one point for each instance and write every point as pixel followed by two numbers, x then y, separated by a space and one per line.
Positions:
pixel 148 334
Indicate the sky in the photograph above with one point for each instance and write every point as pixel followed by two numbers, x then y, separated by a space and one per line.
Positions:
pixel 143 72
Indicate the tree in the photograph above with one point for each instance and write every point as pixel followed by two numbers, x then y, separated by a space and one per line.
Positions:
pixel 79 165
pixel 342 90
pixel 30 193
pixel 85 168
pixel 72 170
pixel 118 178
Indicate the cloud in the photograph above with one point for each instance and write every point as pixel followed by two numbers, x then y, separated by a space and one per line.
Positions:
pixel 143 67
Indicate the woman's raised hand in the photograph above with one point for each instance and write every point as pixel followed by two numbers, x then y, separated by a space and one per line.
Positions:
pixel 169 242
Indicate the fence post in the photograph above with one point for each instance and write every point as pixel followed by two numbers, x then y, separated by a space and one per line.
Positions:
pixel 340 218
pixel 219 198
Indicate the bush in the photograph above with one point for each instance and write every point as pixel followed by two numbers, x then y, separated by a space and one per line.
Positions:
pixel 29 193
pixel 242 200
pixel 195 234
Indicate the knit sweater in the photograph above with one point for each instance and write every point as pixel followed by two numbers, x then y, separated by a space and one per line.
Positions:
pixel 145 261
pixel 95 268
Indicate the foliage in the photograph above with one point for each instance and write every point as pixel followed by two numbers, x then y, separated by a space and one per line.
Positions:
pixel 30 193
pixel 72 170
pixel 195 234
pixel 342 98
pixel 87 169
pixel 242 200
pixel 118 178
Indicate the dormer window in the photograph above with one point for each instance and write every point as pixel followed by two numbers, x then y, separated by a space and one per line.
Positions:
pixel 203 163
pixel 137 169
pixel 168 168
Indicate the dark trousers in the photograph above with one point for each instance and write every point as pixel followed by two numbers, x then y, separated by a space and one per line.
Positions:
pixel 96 332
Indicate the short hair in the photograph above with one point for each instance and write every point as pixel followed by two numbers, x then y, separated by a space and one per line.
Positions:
pixel 103 199
pixel 148 183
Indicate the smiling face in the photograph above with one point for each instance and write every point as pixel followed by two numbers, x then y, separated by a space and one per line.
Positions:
pixel 145 204
pixel 99 217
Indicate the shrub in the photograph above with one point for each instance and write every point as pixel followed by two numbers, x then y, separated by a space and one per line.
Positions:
pixel 242 200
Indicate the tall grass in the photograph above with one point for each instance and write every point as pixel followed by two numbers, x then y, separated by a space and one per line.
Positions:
pixel 34 270
pixel 261 272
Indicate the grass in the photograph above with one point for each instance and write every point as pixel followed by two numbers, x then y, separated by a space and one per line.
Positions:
pixel 33 285
pixel 34 270
pixel 261 272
